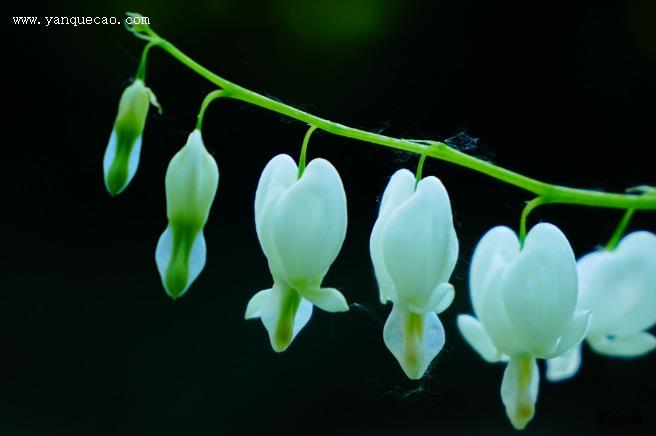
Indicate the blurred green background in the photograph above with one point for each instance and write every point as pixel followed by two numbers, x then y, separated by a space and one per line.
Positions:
pixel 562 91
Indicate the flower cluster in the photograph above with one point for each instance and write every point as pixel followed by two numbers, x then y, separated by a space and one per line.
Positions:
pixel 530 297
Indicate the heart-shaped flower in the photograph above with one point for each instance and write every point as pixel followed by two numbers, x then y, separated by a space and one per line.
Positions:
pixel 301 225
pixel 525 300
pixel 414 249
pixel 619 287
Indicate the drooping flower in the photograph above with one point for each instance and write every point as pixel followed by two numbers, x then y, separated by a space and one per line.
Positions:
pixel 525 303
pixel 414 249
pixel 124 148
pixel 301 226
pixel 192 179
pixel 619 287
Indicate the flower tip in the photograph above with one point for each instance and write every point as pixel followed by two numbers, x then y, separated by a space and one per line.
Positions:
pixel 114 184
pixel 282 339
pixel 412 368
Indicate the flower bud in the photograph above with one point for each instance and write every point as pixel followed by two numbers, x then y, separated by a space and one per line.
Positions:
pixel 192 179
pixel 122 154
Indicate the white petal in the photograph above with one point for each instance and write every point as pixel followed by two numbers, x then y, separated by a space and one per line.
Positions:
pixel 519 390
pixel 284 313
pixel 400 187
pixel 254 307
pixel 492 257
pixel 414 342
pixel 574 333
pixel 328 299
pixel 494 252
pixel 197 257
pixel 309 223
pixel 633 345
pixel 417 244
pixel 278 175
pixel 540 288
pixel 474 333
pixel 564 366
pixel 620 286
pixel 442 297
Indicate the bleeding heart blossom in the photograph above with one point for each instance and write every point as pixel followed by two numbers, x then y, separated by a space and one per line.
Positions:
pixel 414 249
pixel 525 302
pixel 619 287
pixel 192 179
pixel 122 153
pixel 301 225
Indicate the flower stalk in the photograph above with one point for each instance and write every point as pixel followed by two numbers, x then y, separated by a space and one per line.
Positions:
pixel 549 193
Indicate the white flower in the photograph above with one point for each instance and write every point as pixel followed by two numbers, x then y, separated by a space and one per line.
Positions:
pixel 414 249
pixel 301 225
pixel 122 153
pixel 619 287
pixel 525 302
pixel 192 179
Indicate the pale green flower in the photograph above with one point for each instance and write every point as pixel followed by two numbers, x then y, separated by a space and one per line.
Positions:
pixel 122 153
pixel 192 179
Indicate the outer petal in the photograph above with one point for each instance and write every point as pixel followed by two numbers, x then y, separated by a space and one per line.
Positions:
pixel 620 286
pixel 400 187
pixel 278 175
pixel 540 289
pixel 192 179
pixel 492 257
pixel 475 335
pixel 328 299
pixel 519 390
pixel 254 307
pixel 564 366
pixel 417 244
pixel 633 345
pixel 494 252
pixel 574 334
pixel 309 223
pixel 414 339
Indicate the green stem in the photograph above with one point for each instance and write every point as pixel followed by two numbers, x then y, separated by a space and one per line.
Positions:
pixel 420 167
pixel 301 160
pixel 525 213
pixel 619 230
pixel 209 98
pixel 141 71
pixel 550 193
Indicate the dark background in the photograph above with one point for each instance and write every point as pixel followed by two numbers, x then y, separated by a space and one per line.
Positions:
pixel 91 345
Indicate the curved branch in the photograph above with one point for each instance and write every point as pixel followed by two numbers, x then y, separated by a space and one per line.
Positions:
pixel 549 193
